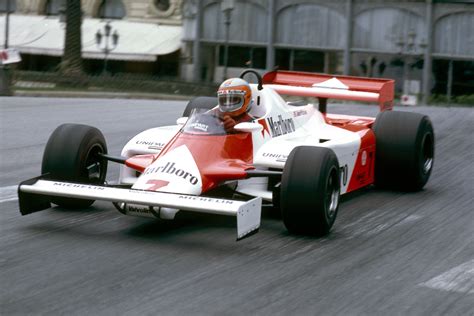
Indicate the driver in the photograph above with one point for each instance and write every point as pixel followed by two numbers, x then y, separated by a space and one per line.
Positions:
pixel 235 102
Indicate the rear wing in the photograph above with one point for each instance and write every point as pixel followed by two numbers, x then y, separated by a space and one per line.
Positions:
pixel 325 87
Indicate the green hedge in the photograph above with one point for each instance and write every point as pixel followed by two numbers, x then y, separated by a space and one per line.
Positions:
pixel 118 82
pixel 456 100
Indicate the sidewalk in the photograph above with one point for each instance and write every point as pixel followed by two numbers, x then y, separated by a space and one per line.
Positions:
pixel 41 84
pixel 49 93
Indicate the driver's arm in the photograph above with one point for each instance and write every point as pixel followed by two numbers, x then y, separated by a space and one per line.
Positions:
pixel 229 123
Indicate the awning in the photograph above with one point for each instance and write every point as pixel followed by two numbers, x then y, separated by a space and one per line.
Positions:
pixel 42 35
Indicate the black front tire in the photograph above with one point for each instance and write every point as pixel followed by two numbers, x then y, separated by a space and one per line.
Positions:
pixel 404 150
pixel 310 189
pixel 72 155
pixel 200 103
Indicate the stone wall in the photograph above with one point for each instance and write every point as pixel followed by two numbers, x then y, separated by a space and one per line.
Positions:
pixel 153 11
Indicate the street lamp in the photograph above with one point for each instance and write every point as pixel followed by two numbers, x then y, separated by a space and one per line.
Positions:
pixel 7 23
pixel 110 39
pixel 408 47
pixel 62 14
pixel 227 6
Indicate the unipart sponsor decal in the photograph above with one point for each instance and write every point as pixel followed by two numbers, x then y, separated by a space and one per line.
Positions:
pixel 299 113
pixel 277 157
pixel 150 144
pixel 199 126
pixel 170 168
pixel 281 126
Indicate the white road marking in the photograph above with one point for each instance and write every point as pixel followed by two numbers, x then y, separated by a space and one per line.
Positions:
pixel 8 193
pixel 459 279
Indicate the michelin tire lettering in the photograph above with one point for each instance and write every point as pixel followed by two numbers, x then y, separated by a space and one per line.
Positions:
pixel 78 186
pixel 205 199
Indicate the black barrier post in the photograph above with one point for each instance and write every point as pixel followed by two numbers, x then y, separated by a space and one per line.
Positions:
pixel 5 77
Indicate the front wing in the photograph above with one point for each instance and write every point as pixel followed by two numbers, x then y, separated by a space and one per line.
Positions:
pixel 33 196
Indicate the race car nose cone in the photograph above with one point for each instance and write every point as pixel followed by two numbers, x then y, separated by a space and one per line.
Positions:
pixel 175 172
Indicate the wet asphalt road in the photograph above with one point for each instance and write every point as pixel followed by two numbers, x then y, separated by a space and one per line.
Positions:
pixel 389 253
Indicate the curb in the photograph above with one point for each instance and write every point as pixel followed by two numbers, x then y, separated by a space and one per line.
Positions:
pixel 99 95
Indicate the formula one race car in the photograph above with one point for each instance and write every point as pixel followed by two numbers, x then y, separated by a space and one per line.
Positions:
pixel 296 156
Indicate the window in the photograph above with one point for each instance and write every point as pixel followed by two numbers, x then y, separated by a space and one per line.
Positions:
pixel 5 3
pixel 53 7
pixel 162 5
pixel 302 60
pixel 463 77
pixel 111 9
pixel 241 57
pixel 282 59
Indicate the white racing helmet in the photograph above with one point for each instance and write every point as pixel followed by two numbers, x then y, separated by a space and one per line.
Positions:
pixel 234 96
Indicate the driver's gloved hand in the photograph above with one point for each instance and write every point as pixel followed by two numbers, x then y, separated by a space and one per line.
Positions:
pixel 229 123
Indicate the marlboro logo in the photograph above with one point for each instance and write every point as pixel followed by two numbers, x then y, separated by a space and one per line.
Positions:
pixel 281 126
pixel 170 168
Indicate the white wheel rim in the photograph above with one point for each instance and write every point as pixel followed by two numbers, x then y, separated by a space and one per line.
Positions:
pixel 332 197
pixel 427 151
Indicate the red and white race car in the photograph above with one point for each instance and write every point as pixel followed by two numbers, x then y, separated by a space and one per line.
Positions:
pixel 296 156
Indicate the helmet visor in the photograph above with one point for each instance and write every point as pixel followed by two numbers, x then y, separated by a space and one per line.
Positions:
pixel 231 101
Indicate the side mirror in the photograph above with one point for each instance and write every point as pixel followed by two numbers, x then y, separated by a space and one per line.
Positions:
pixel 248 127
pixel 182 120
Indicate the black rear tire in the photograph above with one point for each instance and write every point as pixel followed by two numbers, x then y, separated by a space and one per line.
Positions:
pixel 200 103
pixel 310 189
pixel 71 155
pixel 404 150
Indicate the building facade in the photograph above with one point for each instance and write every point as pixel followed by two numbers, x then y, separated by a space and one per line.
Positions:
pixel 153 11
pixel 149 34
pixel 427 44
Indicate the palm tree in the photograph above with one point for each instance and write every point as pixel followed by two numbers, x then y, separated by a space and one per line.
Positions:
pixel 72 60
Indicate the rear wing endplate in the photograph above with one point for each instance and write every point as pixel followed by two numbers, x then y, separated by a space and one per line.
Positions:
pixel 324 86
